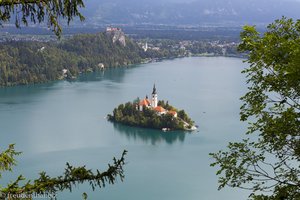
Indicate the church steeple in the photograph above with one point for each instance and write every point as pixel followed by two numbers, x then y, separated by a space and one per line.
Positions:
pixel 154 100
pixel 154 90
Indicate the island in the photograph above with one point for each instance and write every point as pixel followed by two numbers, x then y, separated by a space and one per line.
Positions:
pixel 153 113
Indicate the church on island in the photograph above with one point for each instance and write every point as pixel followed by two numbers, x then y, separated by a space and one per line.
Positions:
pixel 152 113
pixel 153 104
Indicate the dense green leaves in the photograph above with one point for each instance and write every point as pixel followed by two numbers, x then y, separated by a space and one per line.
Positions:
pixel 100 48
pixel 38 11
pixel 128 114
pixel 36 62
pixel 269 161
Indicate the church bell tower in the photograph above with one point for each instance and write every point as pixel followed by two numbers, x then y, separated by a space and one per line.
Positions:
pixel 154 98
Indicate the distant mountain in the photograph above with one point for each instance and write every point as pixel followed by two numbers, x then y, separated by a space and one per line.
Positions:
pixel 188 12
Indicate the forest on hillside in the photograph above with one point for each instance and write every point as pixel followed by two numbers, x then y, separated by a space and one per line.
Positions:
pixel 25 62
pixel 37 62
pixel 30 62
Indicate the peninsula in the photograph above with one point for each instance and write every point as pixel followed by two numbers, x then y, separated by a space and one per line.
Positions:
pixel 152 113
pixel 33 59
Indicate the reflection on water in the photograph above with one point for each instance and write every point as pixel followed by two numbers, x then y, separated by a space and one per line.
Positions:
pixel 149 135
pixel 64 121
pixel 10 95
pixel 112 74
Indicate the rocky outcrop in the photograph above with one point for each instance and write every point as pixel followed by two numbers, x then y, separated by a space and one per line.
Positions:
pixel 117 35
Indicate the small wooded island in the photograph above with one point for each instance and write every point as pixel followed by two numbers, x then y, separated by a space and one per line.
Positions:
pixel 152 114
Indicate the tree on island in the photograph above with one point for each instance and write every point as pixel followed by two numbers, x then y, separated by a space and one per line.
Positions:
pixel 268 163
pixel 38 11
pixel 128 114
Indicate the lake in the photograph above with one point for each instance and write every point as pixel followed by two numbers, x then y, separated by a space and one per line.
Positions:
pixel 63 121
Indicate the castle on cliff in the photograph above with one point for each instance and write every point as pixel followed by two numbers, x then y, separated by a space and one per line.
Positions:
pixel 116 34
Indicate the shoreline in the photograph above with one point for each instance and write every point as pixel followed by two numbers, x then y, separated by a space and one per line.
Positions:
pixel 163 130
pixel 153 60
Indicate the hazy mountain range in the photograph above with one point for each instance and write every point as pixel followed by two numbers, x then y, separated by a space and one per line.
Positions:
pixel 189 12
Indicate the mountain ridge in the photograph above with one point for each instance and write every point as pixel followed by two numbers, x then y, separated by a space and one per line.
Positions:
pixel 199 12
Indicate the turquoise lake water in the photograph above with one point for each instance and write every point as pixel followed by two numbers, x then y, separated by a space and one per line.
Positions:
pixel 64 121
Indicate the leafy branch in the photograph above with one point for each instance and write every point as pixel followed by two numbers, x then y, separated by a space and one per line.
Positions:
pixel 38 11
pixel 269 164
pixel 72 176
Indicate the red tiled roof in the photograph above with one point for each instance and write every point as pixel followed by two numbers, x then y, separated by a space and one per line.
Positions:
pixel 144 102
pixel 172 112
pixel 159 109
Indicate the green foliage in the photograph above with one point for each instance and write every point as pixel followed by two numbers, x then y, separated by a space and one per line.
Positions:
pixel 37 11
pixel 84 196
pixel 100 48
pixel 128 114
pixel 182 114
pixel 23 63
pixel 71 177
pixel 271 162
pixel 166 105
pixel 7 159
pixel 37 62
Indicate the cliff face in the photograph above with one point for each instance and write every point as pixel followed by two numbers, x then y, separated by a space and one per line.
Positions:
pixel 117 35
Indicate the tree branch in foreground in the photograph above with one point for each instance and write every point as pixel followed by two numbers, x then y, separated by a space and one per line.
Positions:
pixel 38 11
pixel 72 176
